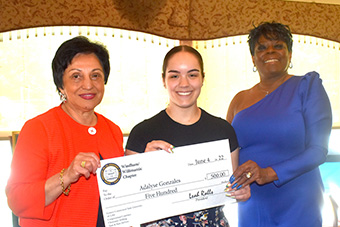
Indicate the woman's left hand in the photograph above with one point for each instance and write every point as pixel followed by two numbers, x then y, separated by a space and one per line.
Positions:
pixel 242 194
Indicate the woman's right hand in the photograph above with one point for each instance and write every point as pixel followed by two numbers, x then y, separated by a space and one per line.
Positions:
pixel 250 172
pixel 82 165
pixel 159 145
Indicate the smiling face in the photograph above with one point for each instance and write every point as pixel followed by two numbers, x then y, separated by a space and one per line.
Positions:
pixel 83 82
pixel 183 80
pixel 271 57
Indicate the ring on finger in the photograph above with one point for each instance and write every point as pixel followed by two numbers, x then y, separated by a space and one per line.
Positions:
pixel 83 164
pixel 248 175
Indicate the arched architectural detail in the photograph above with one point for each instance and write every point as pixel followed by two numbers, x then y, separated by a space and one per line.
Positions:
pixel 184 20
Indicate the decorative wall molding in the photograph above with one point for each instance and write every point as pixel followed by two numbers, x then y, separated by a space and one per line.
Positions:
pixel 184 20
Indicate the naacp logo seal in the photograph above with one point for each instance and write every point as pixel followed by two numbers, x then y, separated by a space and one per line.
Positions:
pixel 110 174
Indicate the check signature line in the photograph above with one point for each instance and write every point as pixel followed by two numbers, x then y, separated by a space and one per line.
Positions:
pixel 210 195
pixel 199 188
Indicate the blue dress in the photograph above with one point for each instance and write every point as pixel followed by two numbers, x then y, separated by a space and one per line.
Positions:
pixel 287 130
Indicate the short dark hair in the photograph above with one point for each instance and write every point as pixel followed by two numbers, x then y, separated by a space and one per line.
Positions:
pixel 69 49
pixel 271 31
pixel 180 48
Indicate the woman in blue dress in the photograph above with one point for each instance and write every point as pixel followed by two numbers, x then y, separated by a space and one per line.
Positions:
pixel 283 125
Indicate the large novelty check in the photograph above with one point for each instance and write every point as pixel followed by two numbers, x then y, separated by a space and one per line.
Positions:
pixel 144 187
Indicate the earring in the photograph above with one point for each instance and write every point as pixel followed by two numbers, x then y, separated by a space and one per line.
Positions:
pixel 290 65
pixel 63 97
pixel 254 69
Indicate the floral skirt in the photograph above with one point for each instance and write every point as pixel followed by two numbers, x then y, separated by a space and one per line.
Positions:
pixel 204 218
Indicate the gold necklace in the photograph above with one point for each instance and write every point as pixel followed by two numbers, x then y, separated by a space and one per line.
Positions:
pixel 261 89
pixel 268 91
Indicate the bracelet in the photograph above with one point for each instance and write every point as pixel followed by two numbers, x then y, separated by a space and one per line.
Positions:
pixel 68 189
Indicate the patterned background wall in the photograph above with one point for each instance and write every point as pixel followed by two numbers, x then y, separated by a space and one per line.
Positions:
pixel 184 19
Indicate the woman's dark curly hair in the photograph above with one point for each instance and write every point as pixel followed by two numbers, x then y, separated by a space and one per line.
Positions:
pixel 69 49
pixel 271 31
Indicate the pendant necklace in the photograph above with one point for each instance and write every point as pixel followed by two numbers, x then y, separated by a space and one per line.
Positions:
pixel 267 92
pixel 274 85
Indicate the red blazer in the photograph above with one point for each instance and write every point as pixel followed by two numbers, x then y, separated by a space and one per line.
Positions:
pixel 47 144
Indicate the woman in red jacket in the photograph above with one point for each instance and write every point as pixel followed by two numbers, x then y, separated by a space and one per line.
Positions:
pixel 53 180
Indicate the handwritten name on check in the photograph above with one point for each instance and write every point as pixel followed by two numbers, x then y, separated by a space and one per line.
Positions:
pixel 144 187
